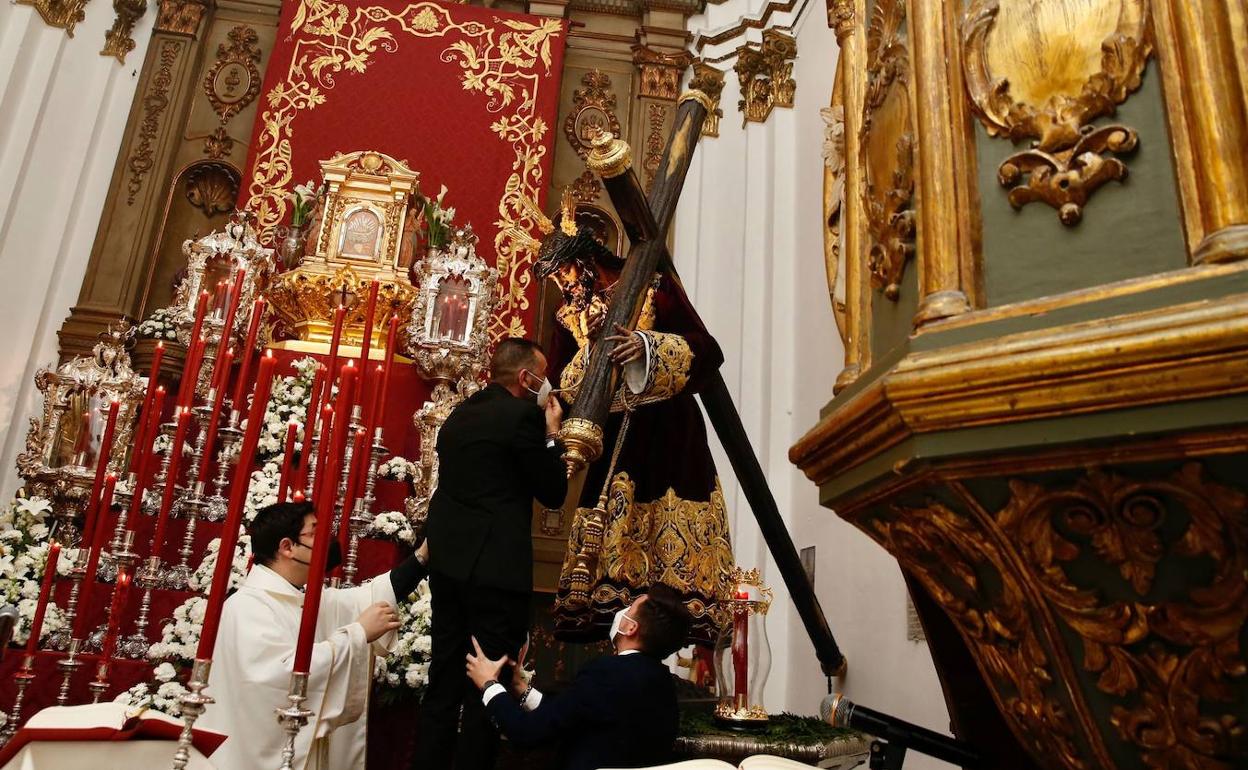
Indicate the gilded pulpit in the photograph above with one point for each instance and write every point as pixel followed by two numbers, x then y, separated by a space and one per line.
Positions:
pixel 1037 219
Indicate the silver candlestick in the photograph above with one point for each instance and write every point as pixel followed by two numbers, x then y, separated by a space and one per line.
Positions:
pixel 99 685
pixel 152 498
pixel 193 704
pixel 59 639
pixel 68 665
pixel 229 435
pixel 23 678
pixel 178 577
pixel 361 516
pixel 149 577
pixel 293 717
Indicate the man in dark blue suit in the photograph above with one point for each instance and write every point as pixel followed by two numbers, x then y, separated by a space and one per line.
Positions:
pixel 620 711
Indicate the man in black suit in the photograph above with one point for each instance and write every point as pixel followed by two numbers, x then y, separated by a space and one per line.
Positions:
pixel 620 711
pixel 497 452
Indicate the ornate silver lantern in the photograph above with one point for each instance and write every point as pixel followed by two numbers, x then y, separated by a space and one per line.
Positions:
pixel 63 443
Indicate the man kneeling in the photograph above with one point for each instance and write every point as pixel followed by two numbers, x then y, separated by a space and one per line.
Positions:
pixel 255 651
pixel 620 711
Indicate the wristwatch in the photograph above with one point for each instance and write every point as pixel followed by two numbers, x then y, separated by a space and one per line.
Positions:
pixel 488 684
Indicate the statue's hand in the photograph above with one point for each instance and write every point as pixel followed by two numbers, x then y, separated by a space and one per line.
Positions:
pixel 628 346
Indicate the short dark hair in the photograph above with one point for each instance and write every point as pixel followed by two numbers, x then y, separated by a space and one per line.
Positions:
pixel 663 621
pixel 273 524
pixel 512 355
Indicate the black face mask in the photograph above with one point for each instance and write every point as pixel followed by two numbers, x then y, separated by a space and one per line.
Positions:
pixel 332 559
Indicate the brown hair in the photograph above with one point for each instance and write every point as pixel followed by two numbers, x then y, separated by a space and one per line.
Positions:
pixel 664 621
pixel 512 355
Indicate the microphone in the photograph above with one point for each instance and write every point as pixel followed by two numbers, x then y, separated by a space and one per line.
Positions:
pixel 839 711
pixel 8 620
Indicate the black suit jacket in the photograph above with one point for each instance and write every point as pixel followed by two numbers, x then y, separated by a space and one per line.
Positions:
pixel 620 711
pixel 492 462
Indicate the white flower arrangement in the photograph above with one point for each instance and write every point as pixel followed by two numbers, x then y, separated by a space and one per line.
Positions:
pixel 405 672
pixel 398 468
pixel 392 525
pixel 438 220
pixel 25 524
pixel 262 491
pixel 162 694
pixel 159 325
pixel 179 637
pixel 201 578
pixel 303 200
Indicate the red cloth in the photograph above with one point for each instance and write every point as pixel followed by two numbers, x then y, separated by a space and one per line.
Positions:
pixel 466 96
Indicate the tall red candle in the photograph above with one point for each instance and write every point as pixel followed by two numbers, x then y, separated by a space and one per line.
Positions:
pixel 324 522
pixel 187 388
pixel 379 399
pixel 342 404
pixel 741 650
pixel 244 355
pixel 234 514
pixel 221 374
pixel 151 426
pixel 288 459
pixel 309 425
pixel 120 590
pixel 106 449
pixel 190 374
pixel 370 315
pixel 45 592
pixel 214 418
pixel 93 560
pixel 136 456
pixel 171 482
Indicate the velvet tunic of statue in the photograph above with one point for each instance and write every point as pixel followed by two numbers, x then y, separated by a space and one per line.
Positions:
pixel 665 510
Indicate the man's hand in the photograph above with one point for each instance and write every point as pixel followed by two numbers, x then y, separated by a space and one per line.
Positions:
pixel 628 346
pixel 481 669
pixel 377 620
pixel 554 415
pixel 519 684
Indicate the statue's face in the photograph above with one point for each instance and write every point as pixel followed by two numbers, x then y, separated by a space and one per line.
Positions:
pixel 568 278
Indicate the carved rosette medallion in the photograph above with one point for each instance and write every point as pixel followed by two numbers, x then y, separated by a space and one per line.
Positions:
pixel 887 149
pixel 1045 72
pixel 593 109
pixel 1099 608
pixel 234 80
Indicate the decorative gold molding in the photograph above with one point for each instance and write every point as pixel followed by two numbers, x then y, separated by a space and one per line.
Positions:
pixel 834 203
pixel 1174 354
pixel 660 72
pixel 234 80
pixel 887 148
pixel 766 75
pixel 1045 72
pixel 593 107
pixel 710 81
pixel 610 156
pixel 180 17
pixel 219 144
pixel 213 187
pixel 61 14
pixel 117 40
pixel 656 118
pixel 747 23
pixel 155 100
pixel 586 188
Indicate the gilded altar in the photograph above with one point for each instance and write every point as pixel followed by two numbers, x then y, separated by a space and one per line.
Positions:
pixel 1035 249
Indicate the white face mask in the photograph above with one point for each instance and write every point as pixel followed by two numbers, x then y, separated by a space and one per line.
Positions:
pixel 615 624
pixel 543 392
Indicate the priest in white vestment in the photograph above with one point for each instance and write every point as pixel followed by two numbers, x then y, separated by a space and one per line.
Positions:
pixel 255 651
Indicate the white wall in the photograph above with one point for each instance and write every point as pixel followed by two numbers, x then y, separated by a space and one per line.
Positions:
pixel 63 111
pixel 749 244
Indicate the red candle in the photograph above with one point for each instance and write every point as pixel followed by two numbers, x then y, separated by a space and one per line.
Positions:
pixel 120 591
pixel 214 417
pixel 93 560
pixel 106 449
pixel 391 346
pixel 253 330
pixel 171 482
pixel 151 425
pixel 45 591
pixel 234 514
pixel 324 520
pixel 369 315
pixel 741 649
pixel 342 404
pixel 189 373
pixel 288 456
pixel 359 463
pixel 309 428
pixel 340 315
pixel 221 374
pixel 152 384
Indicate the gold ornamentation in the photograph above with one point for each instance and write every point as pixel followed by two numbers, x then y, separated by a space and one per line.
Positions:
pixel 234 80
pixel 660 72
pixel 841 17
pixel 213 187
pixel 180 17
pixel 887 149
pixel 766 75
pixel 567 212
pixel 751 577
pixel 593 110
pixel 312 298
pixel 499 65
pixel 117 40
pixel 656 116
pixel 61 14
pixel 834 204
pixel 154 103
pixel 709 81
pixel 1045 72
pixel 610 156
pixel 219 144
pixel 428 421
pixel 586 188
pixel 582 441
